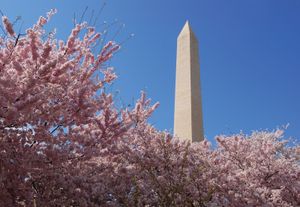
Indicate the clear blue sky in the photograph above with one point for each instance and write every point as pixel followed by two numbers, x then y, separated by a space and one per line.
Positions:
pixel 249 51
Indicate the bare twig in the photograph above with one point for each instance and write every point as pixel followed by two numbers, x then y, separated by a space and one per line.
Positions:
pixel 99 13
pixel 92 16
pixel 82 16
pixel 55 128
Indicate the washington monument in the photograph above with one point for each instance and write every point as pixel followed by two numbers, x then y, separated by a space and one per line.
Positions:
pixel 188 124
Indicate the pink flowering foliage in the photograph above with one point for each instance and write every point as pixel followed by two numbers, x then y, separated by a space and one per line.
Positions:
pixel 63 142
pixel 154 169
pixel 54 113
pixel 256 170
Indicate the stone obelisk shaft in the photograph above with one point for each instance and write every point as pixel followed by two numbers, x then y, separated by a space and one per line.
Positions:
pixel 188 124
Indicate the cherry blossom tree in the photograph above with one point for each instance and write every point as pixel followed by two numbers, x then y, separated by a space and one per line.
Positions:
pixel 256 170
pixel 63 141
pixel 158 170
pixel 54 113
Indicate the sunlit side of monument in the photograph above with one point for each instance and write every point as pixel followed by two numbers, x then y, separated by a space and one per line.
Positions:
pixel 188 123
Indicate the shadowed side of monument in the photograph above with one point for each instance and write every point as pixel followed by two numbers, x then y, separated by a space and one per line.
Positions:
pixel 188 123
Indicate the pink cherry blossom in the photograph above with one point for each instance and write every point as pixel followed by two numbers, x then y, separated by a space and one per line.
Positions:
pixel 8 26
